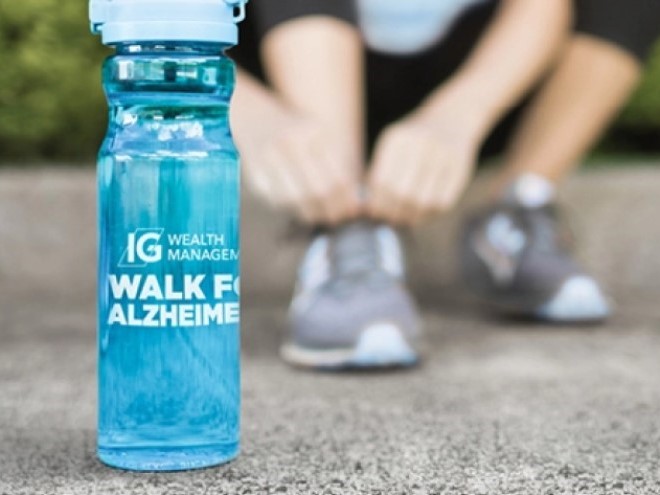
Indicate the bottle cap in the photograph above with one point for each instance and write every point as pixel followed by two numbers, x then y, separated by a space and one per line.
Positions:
pixel 208 21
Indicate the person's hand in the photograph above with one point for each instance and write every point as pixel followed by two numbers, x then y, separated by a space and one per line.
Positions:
pixel 421 166
pixel 301 165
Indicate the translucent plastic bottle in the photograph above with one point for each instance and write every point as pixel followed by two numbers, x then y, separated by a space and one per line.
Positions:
pixel 169 247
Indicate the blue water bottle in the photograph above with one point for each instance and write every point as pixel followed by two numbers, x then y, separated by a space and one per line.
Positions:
pixel 169 283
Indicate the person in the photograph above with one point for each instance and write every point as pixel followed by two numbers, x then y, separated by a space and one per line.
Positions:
pixel 417 89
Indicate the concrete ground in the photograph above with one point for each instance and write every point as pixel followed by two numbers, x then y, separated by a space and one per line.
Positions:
pixel 499 407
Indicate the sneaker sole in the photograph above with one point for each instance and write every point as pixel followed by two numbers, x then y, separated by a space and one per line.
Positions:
pixel 380 345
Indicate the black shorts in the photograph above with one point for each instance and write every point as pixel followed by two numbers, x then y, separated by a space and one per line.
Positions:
pixel 398 84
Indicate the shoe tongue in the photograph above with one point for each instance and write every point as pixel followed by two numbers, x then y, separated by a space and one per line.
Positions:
pixel 354 247
pixel 531 191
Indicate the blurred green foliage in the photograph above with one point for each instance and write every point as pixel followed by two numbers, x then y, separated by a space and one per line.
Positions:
pixel 643 111
pixel 52 105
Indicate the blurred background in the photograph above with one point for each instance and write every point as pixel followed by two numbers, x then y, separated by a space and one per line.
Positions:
pixel 498 407
pixel 50 89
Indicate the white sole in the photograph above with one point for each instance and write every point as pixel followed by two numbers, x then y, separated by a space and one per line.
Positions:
pixel 380 345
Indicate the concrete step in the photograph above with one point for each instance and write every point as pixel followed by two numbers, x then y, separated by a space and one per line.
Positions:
pixel 48 232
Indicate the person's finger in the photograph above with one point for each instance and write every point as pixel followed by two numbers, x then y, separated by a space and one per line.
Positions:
pixel 429 193
pixel 310 172
pixel 342 202
pixel 260 183
pixel 326 176
pixel 271 179
pixel 430 189
pixel 337 186
pixel 292 191
pixel 381 200
pixel 424 164
pixel 382 203
pixel 405 170
pixel 457 179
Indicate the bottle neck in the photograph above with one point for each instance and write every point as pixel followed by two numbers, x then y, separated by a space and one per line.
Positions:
pixel 171 48
pixel 171 70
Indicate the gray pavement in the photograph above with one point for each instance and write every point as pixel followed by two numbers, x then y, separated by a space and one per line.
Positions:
pixel 499 407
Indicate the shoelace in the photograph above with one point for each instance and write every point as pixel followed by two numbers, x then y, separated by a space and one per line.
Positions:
pixel 550 230
pixel 354 255
pixel 354 250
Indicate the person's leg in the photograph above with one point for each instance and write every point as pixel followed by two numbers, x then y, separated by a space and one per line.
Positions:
pixel 352 307
pixel 593 79
pixel 595 75
pixel 514 253
pixel 301 132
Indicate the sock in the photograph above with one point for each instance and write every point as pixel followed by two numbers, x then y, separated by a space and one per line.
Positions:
pixel 531 191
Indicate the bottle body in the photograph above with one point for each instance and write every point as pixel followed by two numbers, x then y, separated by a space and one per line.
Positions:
pixel 169 258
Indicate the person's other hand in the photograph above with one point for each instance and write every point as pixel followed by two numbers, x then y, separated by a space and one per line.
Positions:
pixel 421 166
pixel 300 165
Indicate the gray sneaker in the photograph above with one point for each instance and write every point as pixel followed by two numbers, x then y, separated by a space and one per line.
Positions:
pixel 518 259
pixel 351 308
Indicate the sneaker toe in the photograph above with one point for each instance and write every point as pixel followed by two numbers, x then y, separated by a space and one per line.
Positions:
pixel 331 321
pixel 578 299
pixel 383 344
pixel 370 329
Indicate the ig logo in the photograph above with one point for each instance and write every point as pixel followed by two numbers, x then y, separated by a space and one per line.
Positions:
pixel 142 249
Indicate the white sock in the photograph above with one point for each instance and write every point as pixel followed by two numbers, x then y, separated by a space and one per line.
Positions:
pixel 532 191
